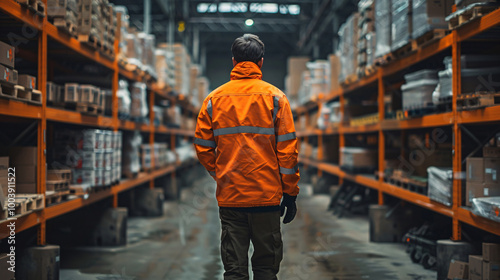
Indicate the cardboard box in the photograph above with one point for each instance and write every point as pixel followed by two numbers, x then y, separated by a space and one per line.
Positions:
pixel 491 152
pixel 334 72
pixel 458 270
pixel 491 170
pixel 26 188
pixel 358 157
pixel 27 81
pixel 475 267
pixel 4 267
pixel 8 75
pixel 491 252
pixel 26 174
pixel 491 270
pixel 7 55
pixel 475 190
pixel 4 166
pixel 5 185
pixel 22 156
pixel 475 170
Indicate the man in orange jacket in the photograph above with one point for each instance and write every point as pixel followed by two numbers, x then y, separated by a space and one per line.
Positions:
pixel 245 138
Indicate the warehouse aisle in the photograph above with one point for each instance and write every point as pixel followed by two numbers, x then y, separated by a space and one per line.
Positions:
pixel 184 244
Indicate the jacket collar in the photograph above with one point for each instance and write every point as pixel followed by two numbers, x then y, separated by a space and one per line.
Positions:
pixel 246 70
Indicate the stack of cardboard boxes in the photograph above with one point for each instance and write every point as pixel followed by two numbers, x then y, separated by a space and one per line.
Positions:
pixel 295 67
pixel 348 48
pixel 479 267
pixel 482 175
pixel 8 76
pixel 366 43
pixel 24 160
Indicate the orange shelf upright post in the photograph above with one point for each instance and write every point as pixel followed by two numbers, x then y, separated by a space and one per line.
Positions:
pixel 42 124
pixel 457 147
pixel 381 136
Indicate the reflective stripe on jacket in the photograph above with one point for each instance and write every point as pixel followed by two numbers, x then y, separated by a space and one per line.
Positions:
pixel 245 138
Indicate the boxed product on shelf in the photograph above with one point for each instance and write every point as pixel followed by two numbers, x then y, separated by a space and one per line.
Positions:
pixel 24 160
pixel 146 160
pixel 348 47
pixel 419 159
pixel 475 267
pixel 7 55
pixel 8 76
pixel 124 101
pixel 383 27
pixel 147 43
pixel 335 69
pixel 203 89
pixel 131 154
pixel 486 207
pixel 296 65
pixel 139 105
pixel 418 93
pixel 360 158
pixel 27 81
pixel 401 23
pixel 172 116
pixel 440 183
pixel 163 71
pixel 428 15
pixel 72 92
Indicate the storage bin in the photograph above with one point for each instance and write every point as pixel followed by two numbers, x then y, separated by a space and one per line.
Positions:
pixel 418 94
pixel 429 74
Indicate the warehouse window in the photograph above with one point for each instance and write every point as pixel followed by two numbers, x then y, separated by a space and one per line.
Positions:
pixel 233 7
pixel 239 7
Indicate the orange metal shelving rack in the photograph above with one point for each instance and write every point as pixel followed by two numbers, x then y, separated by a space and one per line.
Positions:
pixel 452 119
pixel 43 114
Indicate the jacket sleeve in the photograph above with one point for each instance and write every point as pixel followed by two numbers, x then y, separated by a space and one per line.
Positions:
pixel 286 148
pixel 204 141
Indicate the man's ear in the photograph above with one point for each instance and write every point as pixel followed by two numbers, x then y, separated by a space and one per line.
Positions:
pixel 260 62
pixel 234 62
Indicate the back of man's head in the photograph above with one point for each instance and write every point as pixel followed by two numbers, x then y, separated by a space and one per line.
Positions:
pixel 248 48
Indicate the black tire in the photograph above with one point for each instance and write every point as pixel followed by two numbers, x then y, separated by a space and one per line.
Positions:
pixel 415 256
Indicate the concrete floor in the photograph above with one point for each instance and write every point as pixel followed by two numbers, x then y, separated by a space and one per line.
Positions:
pixel 184 244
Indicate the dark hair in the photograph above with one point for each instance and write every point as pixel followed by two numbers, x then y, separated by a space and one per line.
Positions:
pixel 248 48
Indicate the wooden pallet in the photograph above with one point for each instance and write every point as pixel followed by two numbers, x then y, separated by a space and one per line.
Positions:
pixel 19 209
pixel 89 109
pixel 90 40
pixel 419 112
pixel 478 100
pixel 384 60
pixel 370 70
pixel 59 175
pixel 36 6
pixel 429 37
pixel 20 93
pixel 410 184
pixel 79 190
pixel 404 50
pixel 351 79
pixel 65 26
pixel 470 14
pixel 52 197
pixel 33 202
pixel 57 185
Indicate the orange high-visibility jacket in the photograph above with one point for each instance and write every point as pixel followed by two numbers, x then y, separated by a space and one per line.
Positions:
pixel 245 138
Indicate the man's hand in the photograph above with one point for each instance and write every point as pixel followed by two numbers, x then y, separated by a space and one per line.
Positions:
pixel 289 203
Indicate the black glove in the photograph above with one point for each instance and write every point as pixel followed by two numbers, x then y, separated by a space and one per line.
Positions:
pixel 289 203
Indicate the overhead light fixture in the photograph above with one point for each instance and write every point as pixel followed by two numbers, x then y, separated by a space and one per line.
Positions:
pixel 249 22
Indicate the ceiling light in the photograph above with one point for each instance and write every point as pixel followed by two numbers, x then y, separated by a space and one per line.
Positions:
pixel 249 22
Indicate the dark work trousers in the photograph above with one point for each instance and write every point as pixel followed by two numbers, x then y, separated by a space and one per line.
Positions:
pixel 238 229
